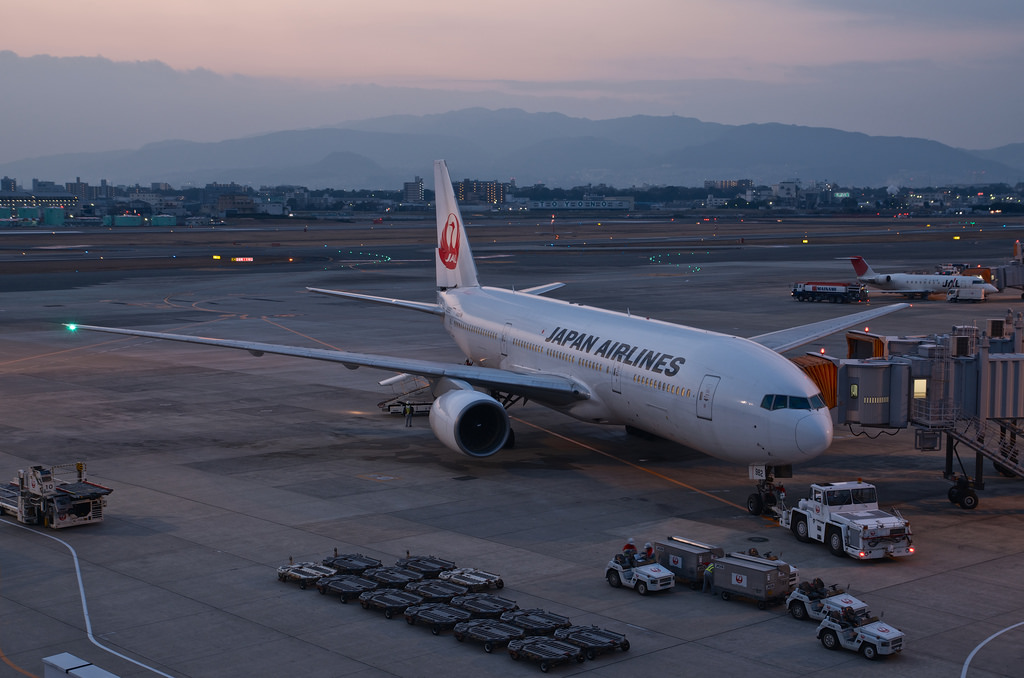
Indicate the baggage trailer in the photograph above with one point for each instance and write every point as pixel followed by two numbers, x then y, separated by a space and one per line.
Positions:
pixel 40 496
pixel 766 581
pixel 429 566
pixel 490 632
pixel 392 601
pixel 346 586
pixel 434 591
pixel 438 616
pixel 685 558
pixel 485 605
pixel 536 621
pixel 548 651
pixel 593 640
pixel 350 563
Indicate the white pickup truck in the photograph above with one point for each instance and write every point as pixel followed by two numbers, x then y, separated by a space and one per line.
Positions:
pixel 847 518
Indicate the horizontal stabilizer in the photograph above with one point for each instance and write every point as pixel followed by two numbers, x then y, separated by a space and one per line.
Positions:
pixel 542 289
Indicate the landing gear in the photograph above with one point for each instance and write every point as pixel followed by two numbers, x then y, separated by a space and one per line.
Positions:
pixel 962 493
pixel 768 495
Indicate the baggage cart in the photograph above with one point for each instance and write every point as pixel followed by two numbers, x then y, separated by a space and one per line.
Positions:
pixel 392 601
pixel 438 616
pixel 392 577
pixel 491 632
pixel 345 586
pixel 476 580
pixel 351 563
pixel 548 651
pixel 536 621
pixel 429 566
pixel 593 640
pixel 436 591
pixel 686 558
pixel 305 574
pixel 765 581
pixel 485 605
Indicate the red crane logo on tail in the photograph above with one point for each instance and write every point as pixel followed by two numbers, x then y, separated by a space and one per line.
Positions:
pixel 448 247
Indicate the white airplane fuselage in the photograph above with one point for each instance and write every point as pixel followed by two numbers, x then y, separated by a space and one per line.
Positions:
pixel 700 388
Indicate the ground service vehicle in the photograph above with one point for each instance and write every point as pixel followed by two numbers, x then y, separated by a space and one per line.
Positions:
pixel 429 566
pixel 971 294
pixel 834 292
pixel 548 651
pixel 859 632
pixel 472 578
pixel 624 570
pixel 593 640
pixel 847 518
pixel 813 600
pixel 490 632
pixel 438 616
pixel 40 497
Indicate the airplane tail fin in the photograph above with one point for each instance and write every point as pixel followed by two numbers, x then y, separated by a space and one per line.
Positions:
pixel 861 267
pixel 454 261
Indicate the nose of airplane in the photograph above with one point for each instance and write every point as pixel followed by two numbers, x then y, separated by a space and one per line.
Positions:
pixel 814 433
pixel 989 288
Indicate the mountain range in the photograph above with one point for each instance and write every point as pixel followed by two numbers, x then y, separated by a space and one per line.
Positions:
pixel 547 148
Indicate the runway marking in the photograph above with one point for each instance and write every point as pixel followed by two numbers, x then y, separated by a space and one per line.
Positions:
pixel 85 606
pixel 967 664
pixel 629 463
pixel 300 334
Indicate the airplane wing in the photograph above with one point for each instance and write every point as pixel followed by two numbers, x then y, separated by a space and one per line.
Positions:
pixel 548 388
pixel 784 340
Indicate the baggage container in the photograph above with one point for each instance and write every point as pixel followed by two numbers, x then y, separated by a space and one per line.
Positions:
pixel 766 581
pixel 686 558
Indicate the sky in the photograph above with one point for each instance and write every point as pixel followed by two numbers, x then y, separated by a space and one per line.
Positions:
pixel 934 69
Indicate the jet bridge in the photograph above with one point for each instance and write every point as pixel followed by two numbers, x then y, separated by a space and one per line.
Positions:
pixel 964 389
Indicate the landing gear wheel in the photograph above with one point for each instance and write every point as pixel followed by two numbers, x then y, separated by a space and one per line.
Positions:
pixel 954 495
pixel 969 501
pixel 754 504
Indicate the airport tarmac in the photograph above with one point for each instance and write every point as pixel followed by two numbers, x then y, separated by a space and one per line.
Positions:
pixel 224 466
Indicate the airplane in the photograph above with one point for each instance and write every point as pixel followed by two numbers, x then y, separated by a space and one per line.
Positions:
pixel 915 284
pixel 732 398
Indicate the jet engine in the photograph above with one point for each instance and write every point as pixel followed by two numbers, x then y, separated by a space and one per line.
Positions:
pixel 470 422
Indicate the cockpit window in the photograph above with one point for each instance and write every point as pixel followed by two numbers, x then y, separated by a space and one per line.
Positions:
pixel 775 401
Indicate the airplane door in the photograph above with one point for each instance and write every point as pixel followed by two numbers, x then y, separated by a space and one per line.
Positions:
pixel 504 339
pixel 616 382
pixel 706 395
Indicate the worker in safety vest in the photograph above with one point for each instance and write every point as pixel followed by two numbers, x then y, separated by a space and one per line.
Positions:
pixel 709 576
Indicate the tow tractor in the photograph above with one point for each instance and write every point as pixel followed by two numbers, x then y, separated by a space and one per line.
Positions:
pixel 813 600
pixel 846 517
pixel 624 570
pixel 860 632
pixel 40 496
